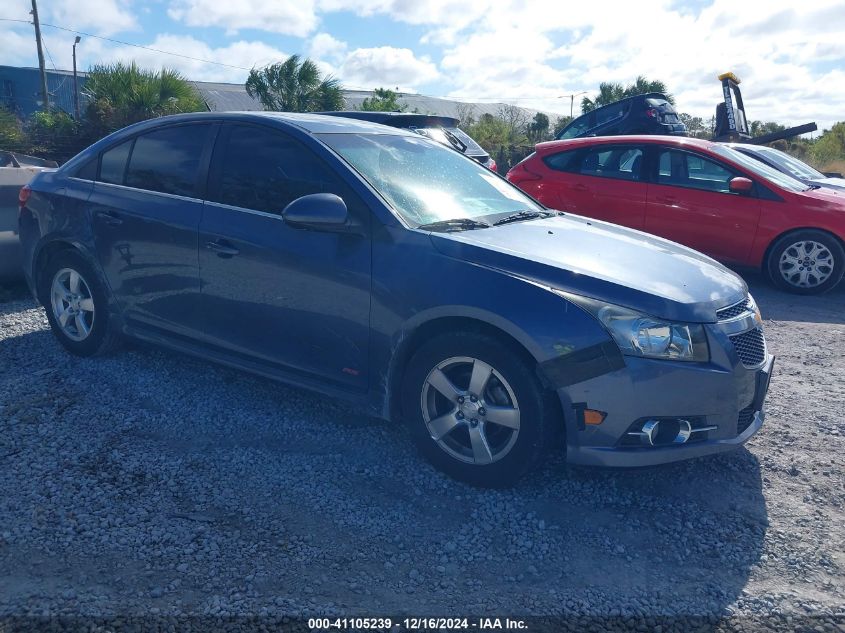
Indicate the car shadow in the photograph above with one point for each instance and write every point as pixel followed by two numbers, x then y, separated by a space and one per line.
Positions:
pixel 782 306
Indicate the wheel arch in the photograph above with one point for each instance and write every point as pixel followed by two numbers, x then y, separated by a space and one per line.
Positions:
pixel 413 337
pixel 764 264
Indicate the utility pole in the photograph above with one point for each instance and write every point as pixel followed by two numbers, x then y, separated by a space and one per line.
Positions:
pixel 45 96
pixel 75 81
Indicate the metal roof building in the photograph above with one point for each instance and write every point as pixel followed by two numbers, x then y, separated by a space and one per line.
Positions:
pixel 20 92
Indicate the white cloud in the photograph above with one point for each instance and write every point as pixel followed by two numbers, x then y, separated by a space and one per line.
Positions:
pixel 387 67
pixel 243 54
pixel 289 18
pixel 324 46
pixel 103 17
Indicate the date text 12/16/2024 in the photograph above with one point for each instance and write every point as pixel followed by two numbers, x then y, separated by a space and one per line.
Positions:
pixel 414 624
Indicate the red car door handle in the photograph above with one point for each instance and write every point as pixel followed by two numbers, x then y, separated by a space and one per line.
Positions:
pixel 580 187
pixel 666 199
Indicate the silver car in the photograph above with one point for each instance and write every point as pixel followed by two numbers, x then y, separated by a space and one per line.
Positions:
pixel 790 165
pixel 16 170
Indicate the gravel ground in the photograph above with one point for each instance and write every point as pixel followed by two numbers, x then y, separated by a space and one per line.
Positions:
pixel 151 483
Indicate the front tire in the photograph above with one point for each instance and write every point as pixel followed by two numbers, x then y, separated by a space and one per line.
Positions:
pixel 76 305
pixel 476 409
pixel 806 262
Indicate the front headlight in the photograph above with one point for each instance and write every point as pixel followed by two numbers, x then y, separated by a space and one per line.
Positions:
pixel 639 334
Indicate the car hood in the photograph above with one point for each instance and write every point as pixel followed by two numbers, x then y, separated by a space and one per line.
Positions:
pixel 833 183
pixel 603 261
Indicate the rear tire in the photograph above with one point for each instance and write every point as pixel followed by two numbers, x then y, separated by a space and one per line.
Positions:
pixel 476 409
pixel 806 262
pixel 76 305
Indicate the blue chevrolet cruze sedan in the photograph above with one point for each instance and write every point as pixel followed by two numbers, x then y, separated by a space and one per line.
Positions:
pixel 370 263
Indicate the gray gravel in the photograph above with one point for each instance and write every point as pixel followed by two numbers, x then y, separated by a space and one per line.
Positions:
pixel 149 482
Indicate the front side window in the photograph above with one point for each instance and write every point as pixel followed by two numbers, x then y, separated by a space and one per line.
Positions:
pixel 621 163
pixel 113 163
pixel 682 169
pixel 167 160
pixel 426 182
pixel 264 170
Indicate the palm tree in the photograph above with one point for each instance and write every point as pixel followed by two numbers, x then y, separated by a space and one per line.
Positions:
pixel 294 85
pixel 121 94
pixel 642 86
pixel 608 93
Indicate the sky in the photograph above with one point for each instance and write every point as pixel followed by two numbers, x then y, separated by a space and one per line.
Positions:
pixel 789 56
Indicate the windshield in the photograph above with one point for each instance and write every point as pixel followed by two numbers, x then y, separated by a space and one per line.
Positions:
pixel 427 182
pixel 761 169
pixel 787 163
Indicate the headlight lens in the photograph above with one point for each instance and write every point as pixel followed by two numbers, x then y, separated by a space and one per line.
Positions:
pixel 641 335
pixel 638 334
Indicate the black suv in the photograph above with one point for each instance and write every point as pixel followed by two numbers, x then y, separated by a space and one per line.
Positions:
pixel 443 129
pixel 649 113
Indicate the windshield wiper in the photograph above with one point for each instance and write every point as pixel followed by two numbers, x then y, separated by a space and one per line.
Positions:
pixel 458 224
pixel 457 143
pixel 522 215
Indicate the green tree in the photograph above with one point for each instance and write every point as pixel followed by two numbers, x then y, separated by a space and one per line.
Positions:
pixel 295 85
pixel 610 92
pixel 538 129
pixel 12 136
pixel 383 100
pixel 759 128
pixel 560 123
pixel 695 125
pixel 830 146
pixel 121 94
pixel 55 135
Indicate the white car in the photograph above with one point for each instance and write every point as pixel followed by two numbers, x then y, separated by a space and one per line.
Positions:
pixel 16 170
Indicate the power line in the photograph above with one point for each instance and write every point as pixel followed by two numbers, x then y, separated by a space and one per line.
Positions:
pixel 114 41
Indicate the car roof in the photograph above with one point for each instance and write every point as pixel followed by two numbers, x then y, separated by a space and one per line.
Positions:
pixel 587 141
pixel 309 122
pixel 398 119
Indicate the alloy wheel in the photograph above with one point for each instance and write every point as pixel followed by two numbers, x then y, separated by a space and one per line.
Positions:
pixel 806 264
pixel 72 304
pixel 470 410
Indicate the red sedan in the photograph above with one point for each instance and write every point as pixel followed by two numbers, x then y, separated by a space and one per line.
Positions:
pixel 701 194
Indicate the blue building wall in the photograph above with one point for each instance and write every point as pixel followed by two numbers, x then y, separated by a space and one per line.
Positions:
pixel 20 89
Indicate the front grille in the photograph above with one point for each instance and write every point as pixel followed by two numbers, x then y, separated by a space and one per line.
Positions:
pixel 750 347
pixel 735 310
pixel 744 420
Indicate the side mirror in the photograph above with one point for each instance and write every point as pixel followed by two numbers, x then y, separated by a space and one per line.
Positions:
pixel 741 185
pixel 319 212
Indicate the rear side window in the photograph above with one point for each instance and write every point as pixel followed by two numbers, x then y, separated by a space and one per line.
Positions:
pixel 167 160
pixel 88 171
pixel 622 163
pixel 563 161
pixel 265 170
pixel 113 163
pixel 579 126
pixel 611 112
pixel 682 169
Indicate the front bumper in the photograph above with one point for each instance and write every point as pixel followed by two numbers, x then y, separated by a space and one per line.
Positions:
pixel 649 388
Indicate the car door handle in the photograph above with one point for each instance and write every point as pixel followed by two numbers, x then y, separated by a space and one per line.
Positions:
pixel 666 199
pixel 580 187
pixel 222 248
pixel 109 218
